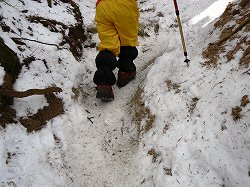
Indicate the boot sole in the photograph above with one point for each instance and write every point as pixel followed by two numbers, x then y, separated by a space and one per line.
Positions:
pixel 120 85
pixel 106 100
pixel 103 96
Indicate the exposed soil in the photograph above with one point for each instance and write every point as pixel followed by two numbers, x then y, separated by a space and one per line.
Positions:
pixel 9 60
pixel 75 38
pixel 244 100
pixel 173 86
pixel 141 112
pixel 38 120
pixel 12 67
pixel 7 113
pixel 168 171
pixel 18 94
pixel 193 104
pixel 154 154
pixel 241 16
pixel 236 111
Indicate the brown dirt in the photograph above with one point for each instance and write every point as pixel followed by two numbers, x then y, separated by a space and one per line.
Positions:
pixel 245 59
pixel 12 67
pixel 10 62
pixel 244 4
pixel 141 112
pixel 244 100
pixel 240 13
pixel 38 120
pixel 173 86
pixel 168 171
pixel 236 113
pixel 193 104
pixel 153 153
pixel 21 94
pixel 4 27
pixel 7 113
pixel 75 37
pixel 231 53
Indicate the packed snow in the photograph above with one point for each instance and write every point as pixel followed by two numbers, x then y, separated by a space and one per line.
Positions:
pixel 193 141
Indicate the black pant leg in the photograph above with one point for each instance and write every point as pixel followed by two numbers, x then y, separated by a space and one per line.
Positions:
pixel 105 62
pixel 126 57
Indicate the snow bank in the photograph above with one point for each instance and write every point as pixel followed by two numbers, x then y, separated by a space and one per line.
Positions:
pixel 194 140
pixel 2 73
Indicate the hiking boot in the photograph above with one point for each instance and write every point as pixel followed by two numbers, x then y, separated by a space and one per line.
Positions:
pixel 124 78
pixel 105 93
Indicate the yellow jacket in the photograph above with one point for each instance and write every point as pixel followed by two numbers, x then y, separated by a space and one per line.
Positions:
pixel 117 24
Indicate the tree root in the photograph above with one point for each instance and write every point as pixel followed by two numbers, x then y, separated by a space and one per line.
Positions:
pixel 38 120
pixel 16 39
pixel 18 94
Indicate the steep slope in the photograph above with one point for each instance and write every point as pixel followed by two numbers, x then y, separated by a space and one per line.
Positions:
pixel 200 135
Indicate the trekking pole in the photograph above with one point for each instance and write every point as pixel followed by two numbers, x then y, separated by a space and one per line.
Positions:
pixel 181 32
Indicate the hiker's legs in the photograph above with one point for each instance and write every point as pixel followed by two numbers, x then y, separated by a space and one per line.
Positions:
pixel 107 32
pixel 105 64
pixel 127 25
pixel 127 68
pixel 104 77
pixel 126 57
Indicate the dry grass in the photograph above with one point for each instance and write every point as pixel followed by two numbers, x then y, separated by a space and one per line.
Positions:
pixel 154 154
pixel 193 104
pixel 245 59
pixel 173 86
pixel 236 111
pixel 141 113
pixel 142 30
pixel 244 100
pixel 241 16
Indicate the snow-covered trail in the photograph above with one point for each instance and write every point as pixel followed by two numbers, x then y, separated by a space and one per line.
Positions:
pixel 103 152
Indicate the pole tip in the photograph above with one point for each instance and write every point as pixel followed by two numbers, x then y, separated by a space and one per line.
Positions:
pixel 187 61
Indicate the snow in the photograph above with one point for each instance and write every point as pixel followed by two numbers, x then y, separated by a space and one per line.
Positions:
pixel 2 73
pixel 212 12
pixel 194 137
